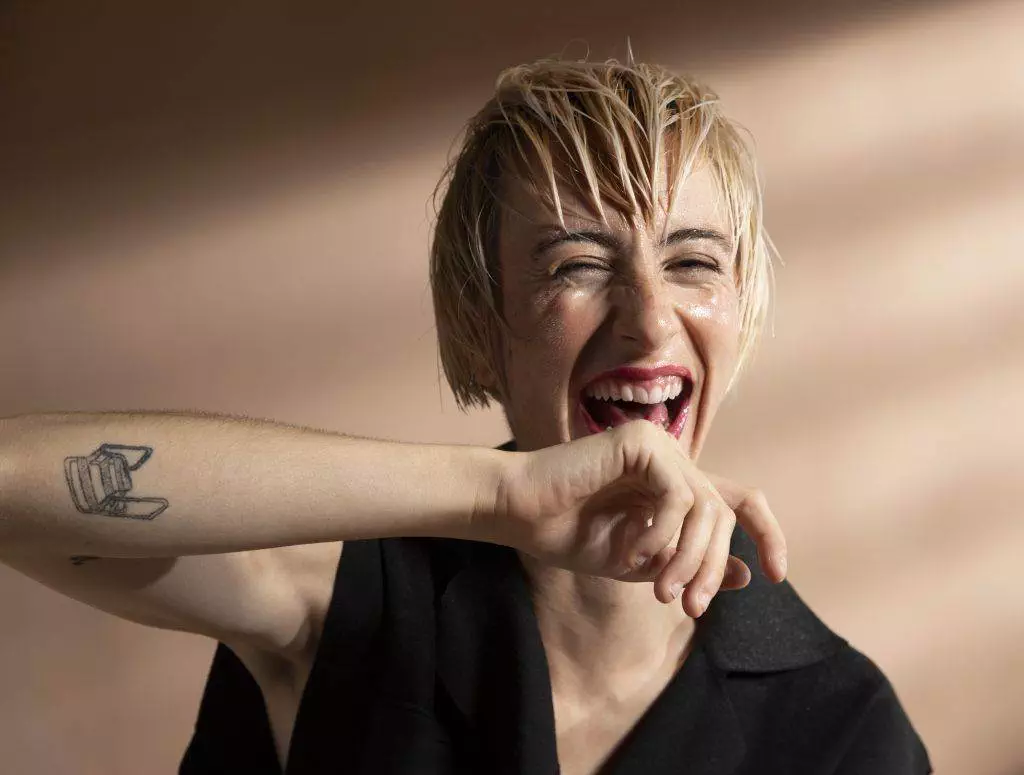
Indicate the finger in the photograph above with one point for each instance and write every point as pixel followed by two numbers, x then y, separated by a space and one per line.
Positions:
pixel 761 525
pixel 653 568
pixel 737 574
pixel 692 545
pixel 708 579
pixel 756 517
pixel 654 547
pixel 674 500
pixel 650 570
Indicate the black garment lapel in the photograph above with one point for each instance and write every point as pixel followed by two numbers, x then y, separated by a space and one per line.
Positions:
pixel 491 660
pixel 764 627
pixel 691 728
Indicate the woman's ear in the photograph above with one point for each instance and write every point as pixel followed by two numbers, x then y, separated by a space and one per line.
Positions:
pixel 485 376
pixel 485 372
pixel 489 367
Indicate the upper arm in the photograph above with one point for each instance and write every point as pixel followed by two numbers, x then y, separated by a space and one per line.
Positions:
pixel 267 599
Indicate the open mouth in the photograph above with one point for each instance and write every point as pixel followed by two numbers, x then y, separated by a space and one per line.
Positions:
pixel 660 396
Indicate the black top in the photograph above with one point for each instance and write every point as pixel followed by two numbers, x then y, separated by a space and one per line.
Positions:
pixel 431 662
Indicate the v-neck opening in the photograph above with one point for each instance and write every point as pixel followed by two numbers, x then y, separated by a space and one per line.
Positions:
pixel 679 708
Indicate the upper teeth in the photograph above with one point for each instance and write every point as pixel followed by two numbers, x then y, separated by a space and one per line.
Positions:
pixel 663 389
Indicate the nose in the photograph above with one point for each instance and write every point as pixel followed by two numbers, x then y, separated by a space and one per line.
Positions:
pixel 645 313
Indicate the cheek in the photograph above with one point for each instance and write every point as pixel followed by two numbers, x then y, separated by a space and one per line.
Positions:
pixel 555 327
pixel 715 318
pixel 545 342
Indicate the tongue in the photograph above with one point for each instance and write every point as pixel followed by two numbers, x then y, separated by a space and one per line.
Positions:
pixel 615 413
pixel 658 413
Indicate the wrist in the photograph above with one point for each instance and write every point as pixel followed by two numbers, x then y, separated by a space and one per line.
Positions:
pixel 493 515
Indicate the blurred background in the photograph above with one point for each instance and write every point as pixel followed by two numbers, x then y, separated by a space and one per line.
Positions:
pixel 225 207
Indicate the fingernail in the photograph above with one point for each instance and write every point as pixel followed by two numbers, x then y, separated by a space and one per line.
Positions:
pixel 703 600
pixel 782 563
pixel 675 589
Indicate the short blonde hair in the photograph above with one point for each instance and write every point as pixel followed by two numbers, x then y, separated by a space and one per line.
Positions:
pixel 610 131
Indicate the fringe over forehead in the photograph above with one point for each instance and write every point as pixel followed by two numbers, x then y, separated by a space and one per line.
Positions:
pixel 620 135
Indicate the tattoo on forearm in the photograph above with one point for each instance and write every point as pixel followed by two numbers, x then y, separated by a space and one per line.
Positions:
pixel 82 559
pixel 100 483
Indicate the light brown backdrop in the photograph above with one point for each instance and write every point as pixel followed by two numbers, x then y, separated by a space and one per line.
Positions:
pixel 228 211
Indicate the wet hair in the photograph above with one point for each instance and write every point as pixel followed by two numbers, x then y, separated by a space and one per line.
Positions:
pixel 615 133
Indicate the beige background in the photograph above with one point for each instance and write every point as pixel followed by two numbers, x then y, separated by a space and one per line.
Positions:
pixel 222 211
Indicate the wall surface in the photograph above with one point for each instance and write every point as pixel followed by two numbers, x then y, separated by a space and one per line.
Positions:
pixel 207 209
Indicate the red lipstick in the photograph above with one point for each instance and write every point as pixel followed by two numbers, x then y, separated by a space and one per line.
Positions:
pixel 602 407
pixel 642 373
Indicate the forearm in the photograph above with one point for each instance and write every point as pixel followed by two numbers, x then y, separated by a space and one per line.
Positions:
pixel 213 484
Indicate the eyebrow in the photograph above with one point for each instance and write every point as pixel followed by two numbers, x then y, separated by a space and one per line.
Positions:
pixel 610 241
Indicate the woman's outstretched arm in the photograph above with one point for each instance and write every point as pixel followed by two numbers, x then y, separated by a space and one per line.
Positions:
pixel 166 485
pixel 162 518
pixel 155 494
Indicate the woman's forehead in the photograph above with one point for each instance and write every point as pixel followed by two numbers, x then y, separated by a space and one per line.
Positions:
pixel 528 207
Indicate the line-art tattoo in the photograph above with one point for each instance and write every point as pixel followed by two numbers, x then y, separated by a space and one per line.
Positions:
pixel 100 482
pixel 82 559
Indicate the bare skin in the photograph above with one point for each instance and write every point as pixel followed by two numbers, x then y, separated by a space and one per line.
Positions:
pixel 245 552
pixel 603 296
pixel 232 528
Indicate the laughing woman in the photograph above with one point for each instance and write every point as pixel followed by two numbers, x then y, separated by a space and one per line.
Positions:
pixel 584 599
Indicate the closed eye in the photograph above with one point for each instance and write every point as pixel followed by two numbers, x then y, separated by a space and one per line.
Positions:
pixel 694 264
pixel 579 270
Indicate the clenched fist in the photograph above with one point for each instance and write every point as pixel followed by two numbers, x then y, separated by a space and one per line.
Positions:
pixel 629 504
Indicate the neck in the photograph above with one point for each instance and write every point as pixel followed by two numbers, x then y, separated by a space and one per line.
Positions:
pixel 605 637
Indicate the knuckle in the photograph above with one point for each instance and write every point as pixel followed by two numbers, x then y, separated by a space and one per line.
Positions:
pixel 641 429
pixel 720 562
pixel 717 558
pixel 713 514
pixel 704 504
pixel 718 512
pixel 690 563
pixel 755 500
pixel 661 537
pixel 714 582
pixel 710 576
pixel 638 436
pixel 686 571
pixel 686 498
pixel 710 579
pixel 625 434
pixel 765 535
pixel 713 499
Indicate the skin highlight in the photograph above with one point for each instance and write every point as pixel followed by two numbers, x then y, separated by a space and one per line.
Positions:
pixel 590 298
pixel 580 308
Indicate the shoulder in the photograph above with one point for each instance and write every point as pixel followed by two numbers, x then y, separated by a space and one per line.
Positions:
pixel 797 685
pixel 840 713
pixel 836 691
pixel 879 737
